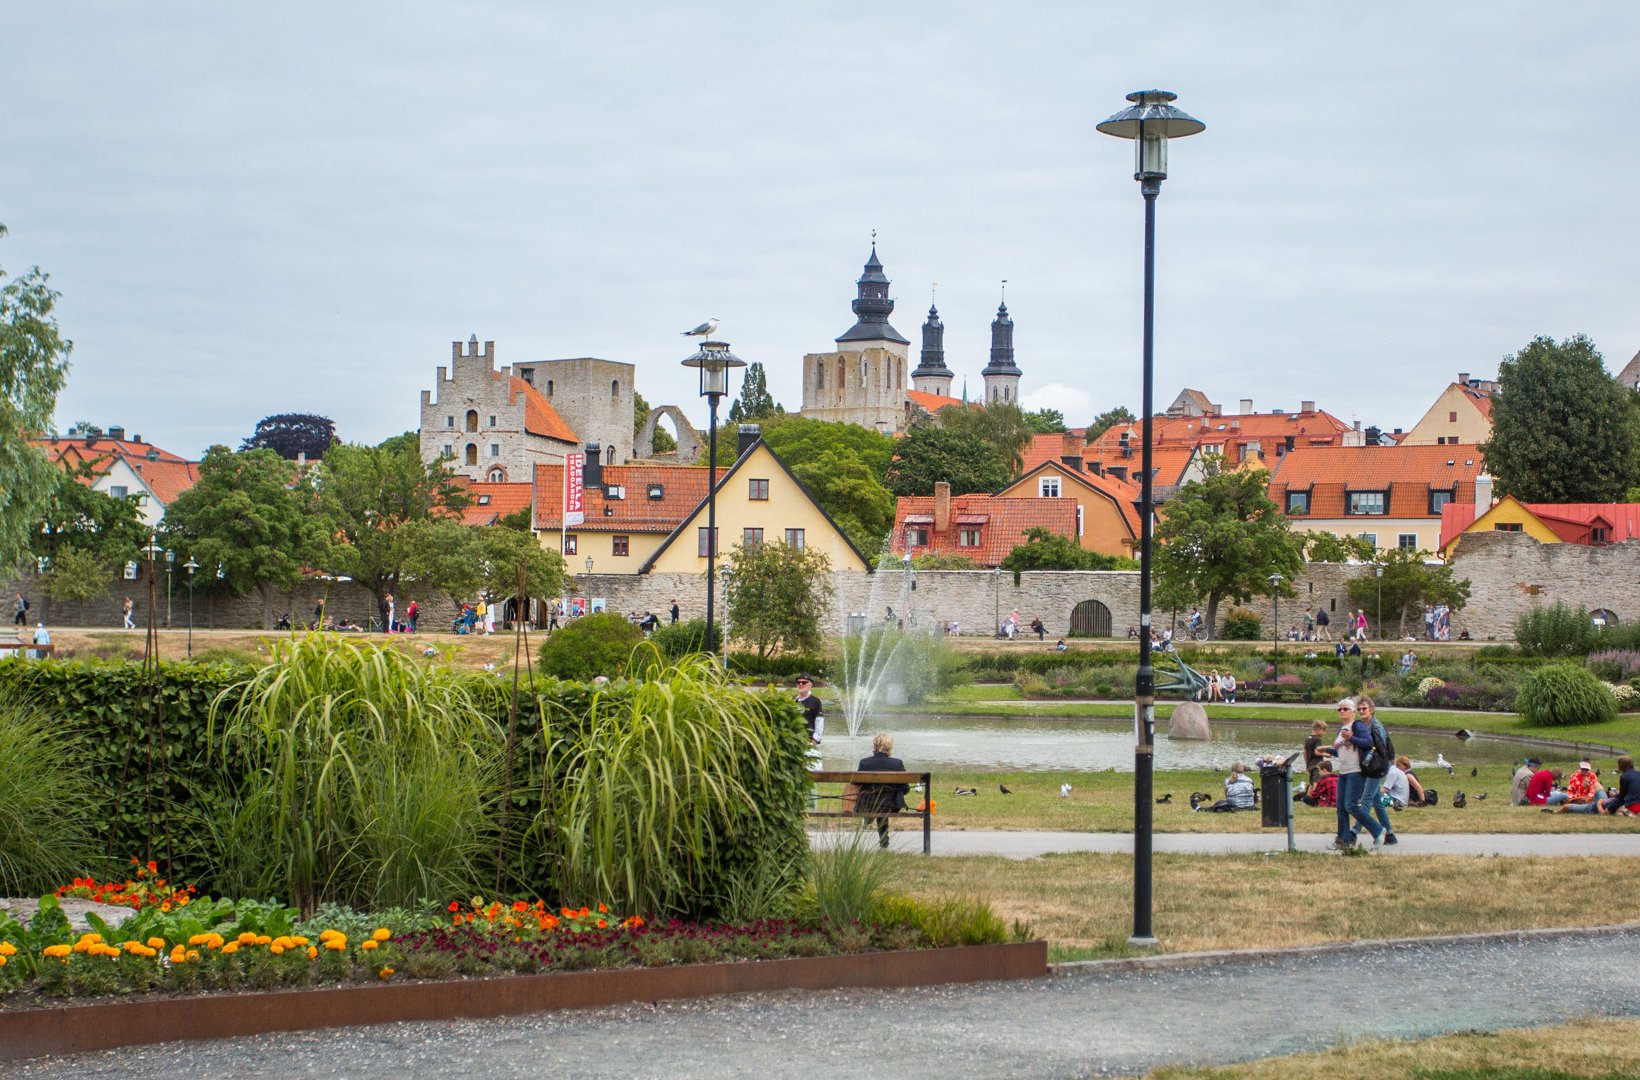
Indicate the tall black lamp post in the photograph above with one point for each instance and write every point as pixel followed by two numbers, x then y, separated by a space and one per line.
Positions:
pixel 190 566
pixel 713 361
pixel 1275 629
pixel 1378 572
pixel 1150 121
pixel 170 567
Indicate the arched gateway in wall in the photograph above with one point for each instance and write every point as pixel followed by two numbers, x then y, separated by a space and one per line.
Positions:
pixel 1090 618
pixel 689 440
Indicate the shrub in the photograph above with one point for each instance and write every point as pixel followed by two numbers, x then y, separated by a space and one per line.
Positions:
pixel 847 878
pixel 1614 665
pixel 677 640
pixel 590 646
pixel 783 666
pixel 1558 695
pixel 946 922
pixel 1240 624
pixel 1428 684
pixel 1563 630
pixel 48 815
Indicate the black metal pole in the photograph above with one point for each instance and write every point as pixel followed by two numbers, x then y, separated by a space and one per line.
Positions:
pixel 1144 688
pixel 190 616
pixel 1275 633
pixel 711 518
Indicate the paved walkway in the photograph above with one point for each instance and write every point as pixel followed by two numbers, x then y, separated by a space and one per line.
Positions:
pixel 1091 1021
pixel 1027 845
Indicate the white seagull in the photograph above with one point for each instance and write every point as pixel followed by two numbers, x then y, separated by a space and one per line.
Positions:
pixel 1064 791
pixel 1442 763
pixel 705 329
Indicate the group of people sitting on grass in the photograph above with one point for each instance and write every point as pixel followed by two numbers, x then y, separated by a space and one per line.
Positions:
pixel 1583 794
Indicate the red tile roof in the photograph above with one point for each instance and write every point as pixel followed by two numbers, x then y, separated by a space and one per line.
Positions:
pixel 1408 473
pixel 540 418
pixel 1120 492
pixel 1482 401
pixel 682 489
pixel 1572 522
pixel 166 474
pixel 493 501
pixel 1002 524
pixel 1052 448
pixel 1168 462
pixel 167 479
pixel 1319 428
pixel 932 402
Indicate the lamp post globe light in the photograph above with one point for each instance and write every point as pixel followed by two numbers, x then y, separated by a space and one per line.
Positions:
pixel 1150 121
pixel 170 567
pixel 1275 627
pixel 190 566
pixel 713 361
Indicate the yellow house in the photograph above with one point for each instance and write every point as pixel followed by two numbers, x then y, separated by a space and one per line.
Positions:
pixel 1107 520
pixel 1591 524
pixel 1462 414
pixel 759 501
pixel 628 511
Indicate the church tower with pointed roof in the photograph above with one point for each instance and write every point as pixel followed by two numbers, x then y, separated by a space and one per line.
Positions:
pixel 1002 374
pixel 863 380
pixel 931 376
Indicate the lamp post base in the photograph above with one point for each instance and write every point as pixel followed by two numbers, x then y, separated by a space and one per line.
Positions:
pixel 1143 943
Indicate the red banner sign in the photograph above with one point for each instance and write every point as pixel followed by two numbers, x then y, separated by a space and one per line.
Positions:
pixel 573 512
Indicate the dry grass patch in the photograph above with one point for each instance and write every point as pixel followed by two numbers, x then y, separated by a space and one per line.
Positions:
pixel 1082 903
pixel 1582 1048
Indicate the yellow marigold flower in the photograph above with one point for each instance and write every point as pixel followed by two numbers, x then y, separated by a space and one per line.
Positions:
pixel 132 946
pixel 262 939
pixel 385 973
pixel 230 948
pixel 146 953
pixel 155 943
pixel 7 949
pixel 199 939
pixel 55 950
pixel 90 938
pixel 276 949
pixel 81 946
pixel 313 953
pixel 283 942
pixel 336 944
pixel 214 941
pixel 382 933
pixel 299 940
pixel 368 943
pixel 179 955
pixel 326 935
pixel 247 938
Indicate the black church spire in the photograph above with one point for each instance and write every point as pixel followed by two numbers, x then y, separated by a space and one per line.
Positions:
pixel 1002 344
pixel 872 306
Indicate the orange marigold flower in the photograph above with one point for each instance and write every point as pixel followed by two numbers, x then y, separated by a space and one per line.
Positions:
pixel 276 950
pixel 230 948
pixel 368 943
pixel 55 951
pixel 7 949
pixel 382 933
pixel 519 905
pixel 313 952
pixel 156 943
pixel 385 973
pixel 603 924
pixel 153 867
pixel 602 910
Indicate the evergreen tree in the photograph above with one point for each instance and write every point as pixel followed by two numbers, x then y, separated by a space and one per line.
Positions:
pixel 1108 419
pixel 1562 429
pixel 754 403
pixel 934 452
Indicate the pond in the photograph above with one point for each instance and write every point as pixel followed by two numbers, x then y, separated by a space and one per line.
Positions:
pixel 1043 743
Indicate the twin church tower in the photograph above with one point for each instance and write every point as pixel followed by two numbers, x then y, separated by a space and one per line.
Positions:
pixel 864 381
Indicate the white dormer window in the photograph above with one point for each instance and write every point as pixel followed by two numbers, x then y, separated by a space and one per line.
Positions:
pixel 1048 487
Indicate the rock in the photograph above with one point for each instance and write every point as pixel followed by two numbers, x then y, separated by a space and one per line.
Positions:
pixel 23 909
pixel 1189 721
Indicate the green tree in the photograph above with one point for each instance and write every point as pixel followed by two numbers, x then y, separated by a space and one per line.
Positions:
pixel 83 534
pixel 966 460
pixel 1108 419
pixel 1222 538
pixel 1044 550
pixel 591 646
pixel 999 425
pixel 1408 582
pixel 1045 422
pixel 254 516
pixel 755 402
pixel 774 596
pixel 1562 429
pixel 663 443
pixel 369 495
pixel 33 370
pixel 1328 547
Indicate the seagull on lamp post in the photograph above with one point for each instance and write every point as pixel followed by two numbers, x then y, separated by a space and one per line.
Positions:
pixel 705 329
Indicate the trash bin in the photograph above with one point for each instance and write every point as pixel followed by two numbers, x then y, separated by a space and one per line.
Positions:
pixel 1274 778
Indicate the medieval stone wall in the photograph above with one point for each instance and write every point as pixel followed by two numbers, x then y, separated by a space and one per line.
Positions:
pixel 1510 572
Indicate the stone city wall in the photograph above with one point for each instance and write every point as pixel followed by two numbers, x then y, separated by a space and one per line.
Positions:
pixel 1510 573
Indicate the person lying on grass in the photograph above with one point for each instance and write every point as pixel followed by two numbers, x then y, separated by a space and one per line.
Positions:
pixel 1238 792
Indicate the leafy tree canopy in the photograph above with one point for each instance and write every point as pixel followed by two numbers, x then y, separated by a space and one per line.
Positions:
pixel 1001 425
pixel 33 370
pixel 1108 419
pixel 965 459
pixel 1045 422
pixel 1222 538
pixel 775 596
pixel 1562 429
pixel 251 514
pixel 755 402
pixel 1327 547
pixel 1408 581
pixel 292 434
pixel 442 555
pixel 83 534
pixel 1044 550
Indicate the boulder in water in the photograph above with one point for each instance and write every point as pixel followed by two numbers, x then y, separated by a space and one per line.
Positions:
pixel 1189 721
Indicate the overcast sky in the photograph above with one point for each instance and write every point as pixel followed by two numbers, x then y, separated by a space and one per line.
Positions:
pixel 253 209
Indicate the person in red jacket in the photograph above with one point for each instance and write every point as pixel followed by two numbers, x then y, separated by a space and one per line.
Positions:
pixel 1537 789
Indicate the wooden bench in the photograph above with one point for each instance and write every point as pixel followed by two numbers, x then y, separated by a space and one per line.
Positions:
pixel 14 646
pixel 853 781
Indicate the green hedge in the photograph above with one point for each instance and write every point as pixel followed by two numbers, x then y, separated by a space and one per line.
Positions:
pixel 107 706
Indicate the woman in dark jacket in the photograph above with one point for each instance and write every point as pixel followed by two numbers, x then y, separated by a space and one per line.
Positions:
pixel 881 798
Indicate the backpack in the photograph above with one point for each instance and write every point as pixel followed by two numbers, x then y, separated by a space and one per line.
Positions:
pixel 1375 761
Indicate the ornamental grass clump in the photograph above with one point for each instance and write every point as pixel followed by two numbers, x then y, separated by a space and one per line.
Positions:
pixel 1561 695
pixel 48 816
pixel 374 781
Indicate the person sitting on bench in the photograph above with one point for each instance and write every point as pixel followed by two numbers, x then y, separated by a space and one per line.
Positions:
pixel 881 798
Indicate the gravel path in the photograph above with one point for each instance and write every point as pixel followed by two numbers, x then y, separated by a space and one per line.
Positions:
pixel 1084 1022
pixel 1026 845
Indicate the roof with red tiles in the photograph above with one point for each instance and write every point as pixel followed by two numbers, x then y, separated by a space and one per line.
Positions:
pixel 167 479
pixel 540 418
pixel 1407 473
pixel 932 402
pixel 1572 522
pixel 1481 400
pixel 166 474
pixel 1123 495
pixel 1001 523
pixel 1166 462
pixel 681 489
pixel 1318 428
pixel 490 502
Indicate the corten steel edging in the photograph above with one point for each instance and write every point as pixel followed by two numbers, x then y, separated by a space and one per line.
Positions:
pixel 27 1033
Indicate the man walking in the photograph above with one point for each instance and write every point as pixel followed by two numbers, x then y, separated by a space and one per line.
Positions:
pixel 1321 621
pixel 674 613
pixel 20 618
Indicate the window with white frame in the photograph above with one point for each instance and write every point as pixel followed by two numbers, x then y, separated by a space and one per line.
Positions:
pixel 916 536
pixel 1047 487
pixel 968 538
pixel 1407 541
pixel 495 449
pixel 1367 502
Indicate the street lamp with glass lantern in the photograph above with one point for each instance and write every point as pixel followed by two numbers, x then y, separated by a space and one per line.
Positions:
pixel 1275 629
pixel 190 566
pixel 713 361
pixel 1378 572
pixel 1149 121
pixel 170 568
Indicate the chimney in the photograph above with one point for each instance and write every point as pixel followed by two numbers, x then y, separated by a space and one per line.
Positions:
pixel 117 434
pixel 1071 451
pixel 1306 406
pixel 301 461
pixel 136 438
pixel 1483 493
pixel 1246 406
pixel 1463 378
pixel 592 473
pixel 942 507
pixel 749 434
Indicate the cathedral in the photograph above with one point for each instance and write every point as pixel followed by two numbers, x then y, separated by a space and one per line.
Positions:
pixel 864 380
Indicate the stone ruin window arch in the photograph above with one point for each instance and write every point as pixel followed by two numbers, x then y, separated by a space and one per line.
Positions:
pixel 497 475
pixel 615 389
pixel 1603 617
pixel 549 387
pixel 819 374
pixel 472 452
pixel 472 419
